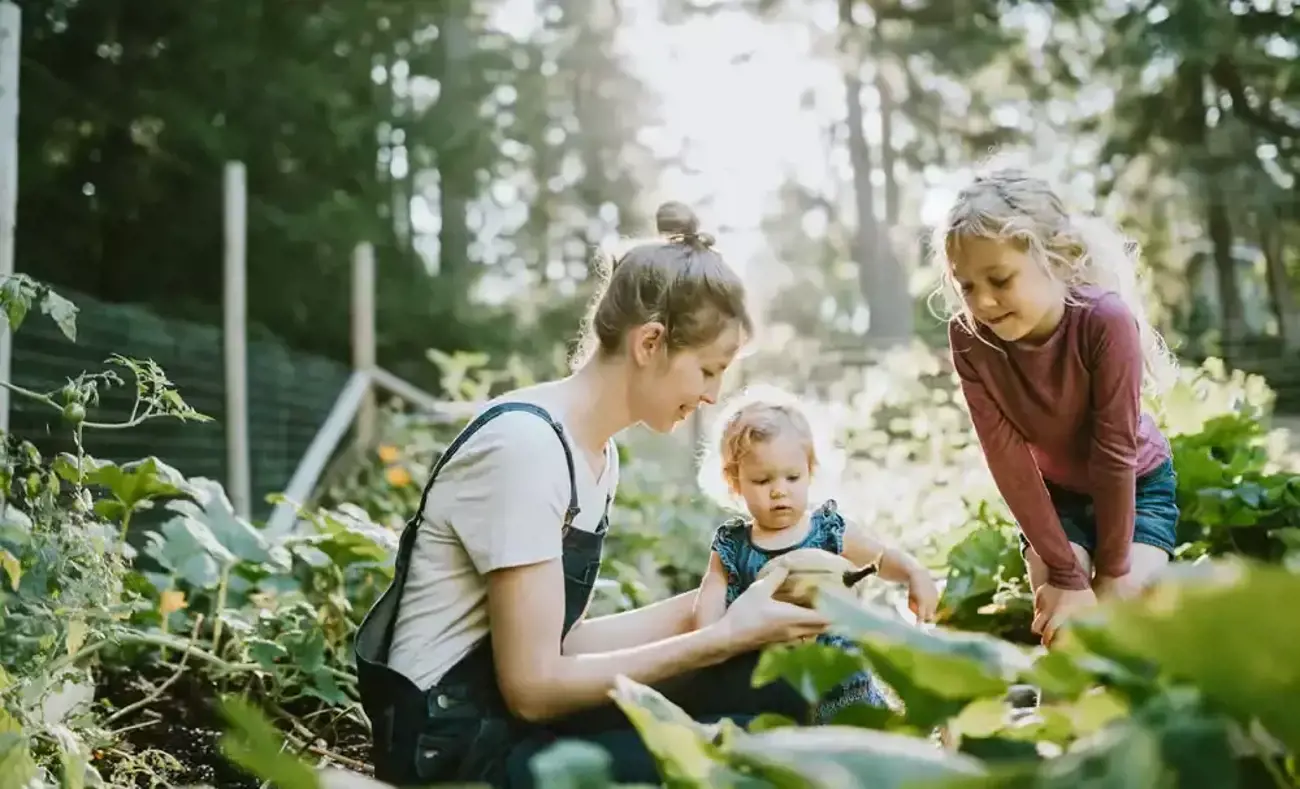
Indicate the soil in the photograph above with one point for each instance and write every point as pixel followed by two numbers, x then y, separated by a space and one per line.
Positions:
pixel 187 726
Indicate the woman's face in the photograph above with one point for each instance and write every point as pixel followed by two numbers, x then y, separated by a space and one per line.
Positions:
pixel 668 387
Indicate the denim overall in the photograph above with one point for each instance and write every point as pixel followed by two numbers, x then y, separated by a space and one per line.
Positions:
pixel 459 730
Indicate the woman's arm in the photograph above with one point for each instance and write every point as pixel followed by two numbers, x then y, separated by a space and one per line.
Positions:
pixel 538 682
pixel 654 622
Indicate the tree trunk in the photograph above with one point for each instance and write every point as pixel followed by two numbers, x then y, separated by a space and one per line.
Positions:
pixel 880 276
pixel 455 169
pixel 1279 284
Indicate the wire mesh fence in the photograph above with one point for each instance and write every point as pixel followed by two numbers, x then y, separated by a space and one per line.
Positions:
pixel 289 393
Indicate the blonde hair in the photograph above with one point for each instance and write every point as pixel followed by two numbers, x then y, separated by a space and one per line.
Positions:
pixel 678 280
pixel 756 415
pixel 1011 206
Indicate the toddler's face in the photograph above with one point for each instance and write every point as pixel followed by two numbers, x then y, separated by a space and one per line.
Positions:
pixel 1007 291
pixel 773 479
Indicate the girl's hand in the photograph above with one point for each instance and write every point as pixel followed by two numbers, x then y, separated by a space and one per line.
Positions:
pixel 1053 606
pixel 755 620
pixel 922 595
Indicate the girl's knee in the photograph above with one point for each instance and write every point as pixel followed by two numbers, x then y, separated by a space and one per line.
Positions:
pixel 1146 562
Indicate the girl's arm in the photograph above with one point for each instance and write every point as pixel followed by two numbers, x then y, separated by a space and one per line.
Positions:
pixel 711 597
pixel 539 682
pixel 653 622
pixel 1015 472
pixel 1112 460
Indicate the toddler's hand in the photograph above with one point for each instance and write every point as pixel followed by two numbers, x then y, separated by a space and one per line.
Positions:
pixel 1053 606
pixel 922 595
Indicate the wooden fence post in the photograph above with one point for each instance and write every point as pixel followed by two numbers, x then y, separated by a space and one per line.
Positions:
pixel 235 334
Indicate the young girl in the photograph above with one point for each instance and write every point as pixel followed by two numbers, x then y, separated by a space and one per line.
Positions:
pixel 1051 344
pixel 767 457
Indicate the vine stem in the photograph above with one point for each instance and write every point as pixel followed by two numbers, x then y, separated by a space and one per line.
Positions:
pixel 134 421
pixel 161 689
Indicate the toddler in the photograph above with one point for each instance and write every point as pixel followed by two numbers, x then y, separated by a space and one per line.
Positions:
pixel 767 457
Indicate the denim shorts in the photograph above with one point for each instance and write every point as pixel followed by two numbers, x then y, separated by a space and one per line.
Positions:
pixel 1155 519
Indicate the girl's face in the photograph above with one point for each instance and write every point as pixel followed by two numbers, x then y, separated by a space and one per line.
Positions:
pixel 668 387
pixel 1005 290
pixel 773 479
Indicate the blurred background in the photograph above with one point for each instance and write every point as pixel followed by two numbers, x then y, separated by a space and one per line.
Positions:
pixel 484 148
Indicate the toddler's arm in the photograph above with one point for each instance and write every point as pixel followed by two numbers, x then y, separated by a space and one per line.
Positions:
pixel 711 598
pixel 894 564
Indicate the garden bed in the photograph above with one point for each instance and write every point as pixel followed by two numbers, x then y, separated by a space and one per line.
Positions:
pixel 183 723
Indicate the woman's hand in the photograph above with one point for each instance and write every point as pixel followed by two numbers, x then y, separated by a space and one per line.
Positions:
pixel 1054 605
pixel 755 620
pixel 922 594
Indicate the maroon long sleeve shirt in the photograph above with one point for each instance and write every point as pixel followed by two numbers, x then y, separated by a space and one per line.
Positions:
pixel 1067 410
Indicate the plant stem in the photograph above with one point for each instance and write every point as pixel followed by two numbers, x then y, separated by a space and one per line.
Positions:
pixel 126 524
pixel 30 395
pixel 161 689
pixel 218 606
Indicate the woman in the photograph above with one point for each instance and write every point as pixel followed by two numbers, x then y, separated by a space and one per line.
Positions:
pixel 478 654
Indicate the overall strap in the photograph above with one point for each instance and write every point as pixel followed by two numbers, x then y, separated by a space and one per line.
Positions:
pixel 407 543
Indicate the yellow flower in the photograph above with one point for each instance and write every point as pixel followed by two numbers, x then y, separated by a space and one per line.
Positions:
pixel 397 476
pixel 170 601
pixel 388 453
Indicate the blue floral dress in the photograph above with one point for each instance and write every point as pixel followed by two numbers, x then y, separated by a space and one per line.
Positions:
pixel 742 560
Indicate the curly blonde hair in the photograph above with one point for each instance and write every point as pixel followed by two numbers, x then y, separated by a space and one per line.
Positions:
pixel 1011 206
pixel 760 413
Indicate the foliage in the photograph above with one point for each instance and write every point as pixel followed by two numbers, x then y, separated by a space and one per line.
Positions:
pixel 210 598
pixel 1187 684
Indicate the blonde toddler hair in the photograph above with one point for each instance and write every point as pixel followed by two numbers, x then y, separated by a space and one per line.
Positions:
pixel 759 413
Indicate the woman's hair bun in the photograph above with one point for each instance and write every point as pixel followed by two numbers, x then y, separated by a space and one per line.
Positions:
pixel 676 219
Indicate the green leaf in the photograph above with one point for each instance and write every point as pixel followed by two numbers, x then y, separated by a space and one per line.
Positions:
pixel 572 764
pixel 1217 626
pixel 16 298
pixel 17 767
pixel 975 566
pixel 138 481
pixel 1126 757
pixel 213 509
pixel 266 652
pixel 186 548
pixel 62 312
pixel 682 747
pixel 848 758
pixel 254 744
pixel 9 563
pixel 813 669
pixel 65 465
pixel 934 672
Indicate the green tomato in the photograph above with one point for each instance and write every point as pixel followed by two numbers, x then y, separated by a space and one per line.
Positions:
pixel 75 413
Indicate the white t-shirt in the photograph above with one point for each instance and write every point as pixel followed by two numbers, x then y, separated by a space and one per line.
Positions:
pixel 498 502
